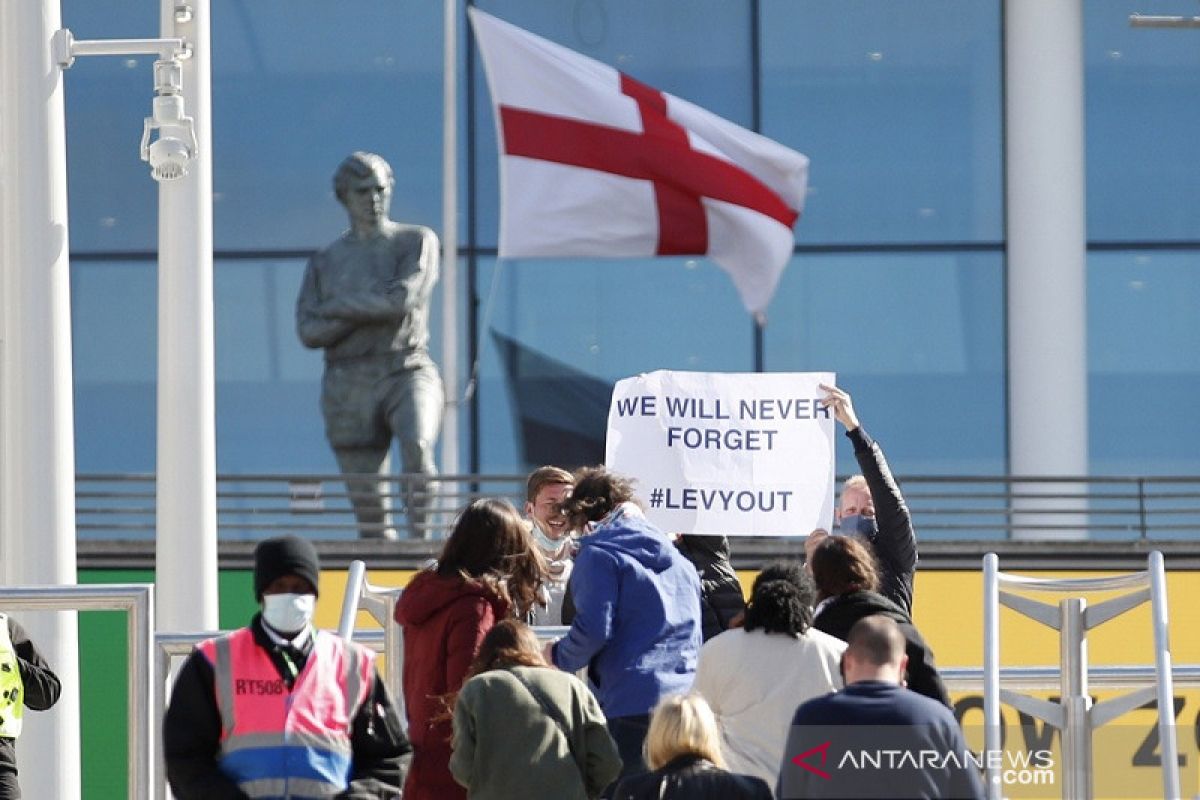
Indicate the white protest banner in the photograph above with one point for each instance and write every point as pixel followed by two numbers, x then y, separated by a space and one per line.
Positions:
pixel 738 454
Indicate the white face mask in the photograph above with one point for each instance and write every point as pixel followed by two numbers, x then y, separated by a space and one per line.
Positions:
pixel 544 542
pixel 288 613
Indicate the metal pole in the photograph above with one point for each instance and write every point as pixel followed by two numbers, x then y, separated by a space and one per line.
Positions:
pixel 354 588
pixel 1044 199
pixel 1168 744
pixel 991 673
pixel 37 456
pixel 450 238
pixel 141 706
pixel 393 649
pixel 162 667
pixel 186 557
pixel 1076 732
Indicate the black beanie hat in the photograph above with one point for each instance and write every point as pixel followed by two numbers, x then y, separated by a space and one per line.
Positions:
pixel 285 555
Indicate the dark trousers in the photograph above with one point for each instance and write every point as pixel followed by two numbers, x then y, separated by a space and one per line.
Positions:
pixel 629 733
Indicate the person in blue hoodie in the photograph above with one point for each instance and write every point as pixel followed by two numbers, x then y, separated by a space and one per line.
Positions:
pixel 637 610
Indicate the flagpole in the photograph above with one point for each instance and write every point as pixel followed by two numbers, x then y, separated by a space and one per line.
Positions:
pixel 760 329
pixel 450 464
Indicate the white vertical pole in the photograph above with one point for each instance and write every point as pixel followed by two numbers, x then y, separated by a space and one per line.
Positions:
pixel 1045 205
pixel 450 420
pixel 37 449
pixel 186 560
pixel 991 674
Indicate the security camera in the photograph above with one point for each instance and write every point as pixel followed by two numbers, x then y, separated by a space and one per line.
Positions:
pixel 168 158
pixel 175 146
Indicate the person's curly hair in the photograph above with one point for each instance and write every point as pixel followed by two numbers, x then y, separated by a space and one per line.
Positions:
pixel 781 600
pixel 597 492
pixel 842 564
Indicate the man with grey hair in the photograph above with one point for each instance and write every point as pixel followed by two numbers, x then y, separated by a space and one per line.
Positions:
pixel 365 300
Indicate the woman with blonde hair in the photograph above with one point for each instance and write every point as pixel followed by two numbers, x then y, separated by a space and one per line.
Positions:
pixel 683 751
pixel 489 570
pixel 524 729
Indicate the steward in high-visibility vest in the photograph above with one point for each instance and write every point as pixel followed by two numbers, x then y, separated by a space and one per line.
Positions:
pixel 26 681
pixel 279 709
pixel 276 742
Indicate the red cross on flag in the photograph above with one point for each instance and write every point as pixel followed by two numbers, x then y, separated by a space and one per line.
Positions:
pixel 595 164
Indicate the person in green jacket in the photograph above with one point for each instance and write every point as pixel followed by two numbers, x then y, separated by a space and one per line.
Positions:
pixel 525 729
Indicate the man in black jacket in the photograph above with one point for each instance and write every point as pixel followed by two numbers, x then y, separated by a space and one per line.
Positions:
pixel 721 598
pixel 873 508
pixel 197 726
pixel 876 739
pixel 37 689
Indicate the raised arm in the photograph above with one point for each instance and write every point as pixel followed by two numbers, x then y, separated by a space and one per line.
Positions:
pixel 895 539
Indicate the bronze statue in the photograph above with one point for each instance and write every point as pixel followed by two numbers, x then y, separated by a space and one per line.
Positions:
pixel 365 300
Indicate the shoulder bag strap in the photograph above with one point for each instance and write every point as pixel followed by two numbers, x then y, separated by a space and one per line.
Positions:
pixel 553 711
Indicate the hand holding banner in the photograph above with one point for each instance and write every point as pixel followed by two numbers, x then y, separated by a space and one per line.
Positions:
pixel 733 454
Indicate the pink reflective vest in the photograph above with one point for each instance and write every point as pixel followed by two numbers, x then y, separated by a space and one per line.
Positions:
pixel 281 744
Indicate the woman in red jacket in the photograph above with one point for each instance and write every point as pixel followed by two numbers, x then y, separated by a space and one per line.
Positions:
pixel 489 570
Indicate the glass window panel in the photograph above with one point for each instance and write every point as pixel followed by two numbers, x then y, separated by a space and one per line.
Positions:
pixel 297 86
pixel 918 341
pixel 582 325
pixel 1143 362
pixel 1143 121
pixel 696 49
pixel 898 104
pixel 114 350
pixel 268 383
pixel 113 203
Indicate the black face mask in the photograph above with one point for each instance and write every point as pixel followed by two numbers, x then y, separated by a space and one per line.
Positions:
pixel 858 525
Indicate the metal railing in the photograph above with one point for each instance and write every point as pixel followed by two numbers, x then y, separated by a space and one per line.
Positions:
pixel 138 601
pixel 255 506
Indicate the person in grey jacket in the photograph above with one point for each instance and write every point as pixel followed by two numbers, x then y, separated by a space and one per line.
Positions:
pixel 873 509
pixel 524 729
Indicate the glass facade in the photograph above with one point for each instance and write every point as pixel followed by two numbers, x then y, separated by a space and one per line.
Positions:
pixel 897 282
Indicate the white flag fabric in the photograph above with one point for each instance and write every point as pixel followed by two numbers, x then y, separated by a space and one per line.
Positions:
pixel 595 164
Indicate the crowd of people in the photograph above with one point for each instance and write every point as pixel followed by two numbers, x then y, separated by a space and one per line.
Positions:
pixel 666 684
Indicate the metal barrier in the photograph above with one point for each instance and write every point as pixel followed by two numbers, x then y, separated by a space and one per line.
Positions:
pixel 380 603
pixel 137 600
pixel 1074 715
pixel 946 508
pixel 958 679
